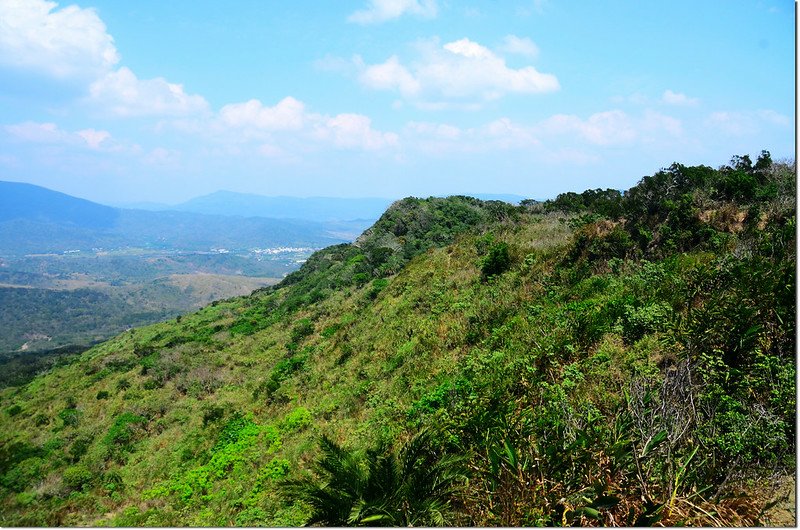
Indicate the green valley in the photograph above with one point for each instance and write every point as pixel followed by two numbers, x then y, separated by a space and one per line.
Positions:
pixel 602 358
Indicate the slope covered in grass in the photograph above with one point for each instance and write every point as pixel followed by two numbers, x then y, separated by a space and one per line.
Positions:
pixel 598 359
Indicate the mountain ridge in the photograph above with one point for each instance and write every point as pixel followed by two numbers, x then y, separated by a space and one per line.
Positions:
pixel 575 355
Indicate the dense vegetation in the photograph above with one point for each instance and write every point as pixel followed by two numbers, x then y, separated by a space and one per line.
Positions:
pixel 601 358
pixel 35 319
pixel 51 301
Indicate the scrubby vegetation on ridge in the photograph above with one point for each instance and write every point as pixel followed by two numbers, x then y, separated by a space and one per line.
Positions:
pixel 602 358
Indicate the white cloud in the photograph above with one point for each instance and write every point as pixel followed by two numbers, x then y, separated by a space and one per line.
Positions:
pixel 72 46
pixel 382 10
pixel 607 128
pixel 500 134
pixel 459 69
pixel 390 75
pixel 121 93
pixel 519 46
pixel 65 43
pixel 676 98
pixel 354 131
pixel 560 137
pixel 288 114
pixel 288 127
pixel 93 137
pixel 35 132
pixel 50 133
pixel 745 123
pixel 30 131
pixel 613 128
pixel 469 49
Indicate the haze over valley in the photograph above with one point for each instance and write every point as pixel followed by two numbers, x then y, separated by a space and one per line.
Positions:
pixel 74 272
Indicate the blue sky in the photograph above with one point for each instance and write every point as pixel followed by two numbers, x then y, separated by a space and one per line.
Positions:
pixel 163 101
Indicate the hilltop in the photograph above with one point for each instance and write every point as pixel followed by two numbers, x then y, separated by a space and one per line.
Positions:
pixel 600 358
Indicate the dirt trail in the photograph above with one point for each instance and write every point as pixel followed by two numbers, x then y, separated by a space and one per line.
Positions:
pixel 784 512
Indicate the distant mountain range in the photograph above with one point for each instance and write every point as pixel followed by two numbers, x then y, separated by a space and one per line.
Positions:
pixel 34 219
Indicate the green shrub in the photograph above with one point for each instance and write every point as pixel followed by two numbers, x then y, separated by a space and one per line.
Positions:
pixel 69 416
pixel 302 329
pixel 330 331
pixel 378 285
pixel 22 475
pixel 638 322
pixel 496 261
pixel 296 420
pixel 77 477
pixel 122 431
pixel 80 446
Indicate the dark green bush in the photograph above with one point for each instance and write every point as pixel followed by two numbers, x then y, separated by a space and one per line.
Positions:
pixel 122 432
pixel 77 477
pixel 496 261
pixel 303 328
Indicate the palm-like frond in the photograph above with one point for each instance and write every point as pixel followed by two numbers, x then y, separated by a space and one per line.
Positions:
pixel 412 486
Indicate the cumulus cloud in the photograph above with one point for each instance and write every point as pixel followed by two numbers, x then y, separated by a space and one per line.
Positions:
pixel 71 46
pixel 287 114
pixel 382 10
pixel 354 131
pixel 614 128
pixel 590 129
pixel 65 43
pixel 459 69
pixel 121 93
pixel 50 133
pixel 676 98
pixel 281 128
pixel 390 75
pixel 519 46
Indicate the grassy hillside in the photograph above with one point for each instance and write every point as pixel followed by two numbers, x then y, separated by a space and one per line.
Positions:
pixel 602 358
